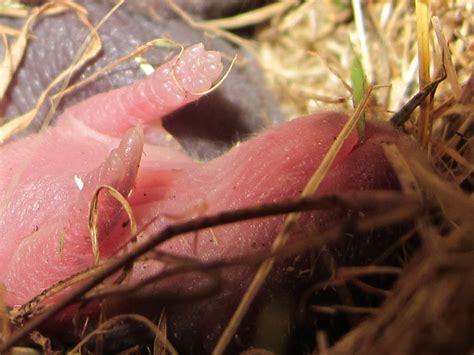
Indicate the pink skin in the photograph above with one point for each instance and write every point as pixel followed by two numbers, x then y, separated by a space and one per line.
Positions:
pixel 101 141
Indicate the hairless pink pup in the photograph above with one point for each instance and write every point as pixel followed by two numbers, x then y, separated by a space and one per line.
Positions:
pixel 47 180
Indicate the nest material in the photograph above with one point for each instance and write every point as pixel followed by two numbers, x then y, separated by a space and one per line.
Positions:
pixel 308 54
pixel 307 50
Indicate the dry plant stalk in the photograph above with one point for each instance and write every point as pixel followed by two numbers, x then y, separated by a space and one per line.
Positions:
pixel 94 217
pixel 210 28
pixel 6 30
pixel 447 58
pixel 253 17
pixel 14 54
pixel 424 123
pixel 90 50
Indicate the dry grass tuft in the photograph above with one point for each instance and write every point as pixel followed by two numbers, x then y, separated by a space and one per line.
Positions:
pixel 309 51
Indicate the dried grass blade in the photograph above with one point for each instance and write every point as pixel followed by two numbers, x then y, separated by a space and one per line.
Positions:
pixel 463 163
pixel 14 54
pixel 247 44
pixel 157 42
pixel 404 174
pixel 140 50
pixel 9 30
pixel 253 17
pixel 447 60
pixel 13 10
pixel 94 217
pixel 456 205
pixel 339 308
pixel 35 305
pixel 422 32
pixel 91 50
pixel 158 346
pixel 295 16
